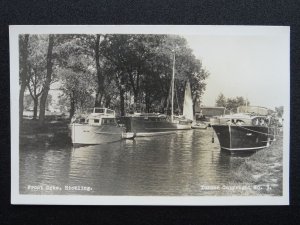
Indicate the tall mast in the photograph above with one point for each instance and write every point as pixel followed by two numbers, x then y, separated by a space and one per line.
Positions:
pixel 246 104
pixel 173 80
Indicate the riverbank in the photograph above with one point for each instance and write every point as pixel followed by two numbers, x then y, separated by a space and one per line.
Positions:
pixel 51 132
pixel 261 172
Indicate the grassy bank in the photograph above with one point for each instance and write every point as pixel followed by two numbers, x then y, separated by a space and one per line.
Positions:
pixel 52 131
pixel 261 172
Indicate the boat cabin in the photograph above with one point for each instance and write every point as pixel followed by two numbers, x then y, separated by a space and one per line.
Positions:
pixel 97 116
pixel 101 111
pixel 242 120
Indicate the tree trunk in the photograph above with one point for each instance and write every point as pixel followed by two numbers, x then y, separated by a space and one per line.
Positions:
pixel 98 100
pixel 72 108
pixel 122 95
pixel 100 78
pixel 122 103
pixel 21 102
pixel 35 107
pixel 135 88
pixel 23 75
pixel 48 80
pixel 107 101
pixel 147 101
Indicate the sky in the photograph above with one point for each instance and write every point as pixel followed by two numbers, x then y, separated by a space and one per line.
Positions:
pixel 255 67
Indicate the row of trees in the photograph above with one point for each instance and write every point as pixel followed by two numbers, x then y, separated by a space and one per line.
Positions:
pixel 231 103
pixel 108 70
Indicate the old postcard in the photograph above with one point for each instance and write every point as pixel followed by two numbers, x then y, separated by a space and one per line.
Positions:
pixel 150 115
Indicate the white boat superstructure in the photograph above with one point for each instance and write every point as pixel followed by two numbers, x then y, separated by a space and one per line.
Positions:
pixel 96 127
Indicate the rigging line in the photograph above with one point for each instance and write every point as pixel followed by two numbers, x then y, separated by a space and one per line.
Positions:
pixel 169 96
pixel 257 131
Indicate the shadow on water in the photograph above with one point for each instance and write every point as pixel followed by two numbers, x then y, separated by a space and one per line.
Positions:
pixel 237 153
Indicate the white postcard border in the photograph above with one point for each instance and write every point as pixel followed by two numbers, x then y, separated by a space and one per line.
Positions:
pixel 17 198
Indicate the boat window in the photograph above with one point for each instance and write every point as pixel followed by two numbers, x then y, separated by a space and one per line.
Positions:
pixel 99 110
pixel 240 122
pixel 262 122
pixel 256 121
pixel 109 111
pixel 108 121
pixel 82 120
pixel 96 120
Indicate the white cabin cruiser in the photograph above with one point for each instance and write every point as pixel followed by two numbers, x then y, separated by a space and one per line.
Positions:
pixel 96 127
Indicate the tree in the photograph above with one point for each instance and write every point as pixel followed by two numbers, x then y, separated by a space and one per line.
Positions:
pixel 279 110
pixel 117 71
pixel 233 103
pixel 23 43
pixel 77 89
pixel 187 67
pixel 46 86
pixel 76 74
pixel 221 101
pixel 49 102
pixel 36 68
pixel 28 103
pixel 143 63
pixel 115 50
pixel 100 76
pixel 35 89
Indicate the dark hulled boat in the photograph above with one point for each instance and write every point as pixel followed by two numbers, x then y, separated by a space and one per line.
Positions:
pixel 151 124
pixel 244 131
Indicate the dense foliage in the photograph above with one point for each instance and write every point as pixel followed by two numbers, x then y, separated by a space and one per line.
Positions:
pixel 231 103
pixel 119 71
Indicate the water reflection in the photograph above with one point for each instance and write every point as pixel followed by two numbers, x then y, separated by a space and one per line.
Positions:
pixel 175 164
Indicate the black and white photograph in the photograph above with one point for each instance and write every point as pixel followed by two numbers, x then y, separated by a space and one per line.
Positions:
pixel 150 115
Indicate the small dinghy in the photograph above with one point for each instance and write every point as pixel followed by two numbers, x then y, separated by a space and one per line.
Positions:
pixel 199 125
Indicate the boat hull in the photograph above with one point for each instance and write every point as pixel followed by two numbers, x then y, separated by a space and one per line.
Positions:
pixel 199 125
pixel 152 126
pixel 92 135
pixel 184 124
pixel 242 138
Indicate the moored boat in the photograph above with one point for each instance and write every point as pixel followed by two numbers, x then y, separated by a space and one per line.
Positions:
pixel 199 125
pixel 153 124
pixel 148 124
pixel 184 122
pixel 244 131
pixel 97 127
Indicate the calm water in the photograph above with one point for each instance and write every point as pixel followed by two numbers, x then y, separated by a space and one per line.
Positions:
pixel 174 164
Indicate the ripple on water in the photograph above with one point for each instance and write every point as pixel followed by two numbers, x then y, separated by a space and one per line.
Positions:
pixel 175 164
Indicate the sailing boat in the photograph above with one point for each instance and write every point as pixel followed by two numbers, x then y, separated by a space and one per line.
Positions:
pixel 185 120
pixel 153 124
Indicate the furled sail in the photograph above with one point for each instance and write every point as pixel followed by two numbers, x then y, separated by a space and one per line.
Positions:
pixel 188 102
